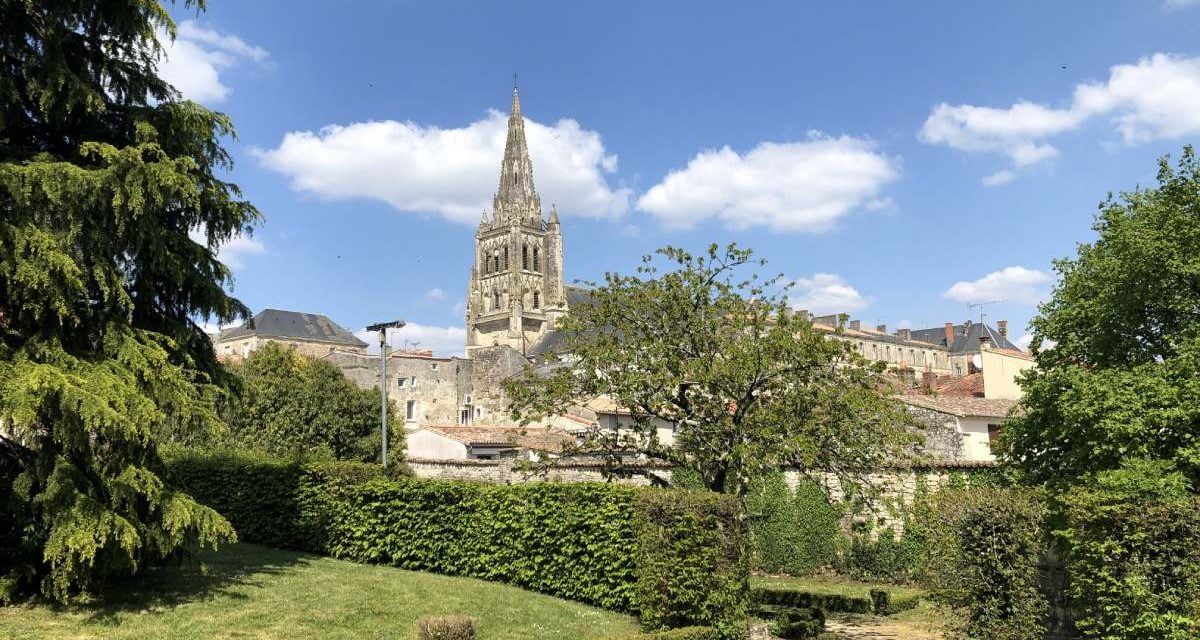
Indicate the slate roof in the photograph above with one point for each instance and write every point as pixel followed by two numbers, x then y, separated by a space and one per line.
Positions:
pixel 276 323
pixel 966 337
pixel 552 340
pixel 963 407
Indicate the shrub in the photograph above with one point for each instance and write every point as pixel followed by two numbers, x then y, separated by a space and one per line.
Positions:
pixel 767 600
pixel 1133 555
pixel 446 628
pixel 791 532
pixel 674 557
pixel 986 544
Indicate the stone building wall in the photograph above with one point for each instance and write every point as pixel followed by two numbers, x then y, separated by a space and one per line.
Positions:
pixel 438 387
pixel 942 438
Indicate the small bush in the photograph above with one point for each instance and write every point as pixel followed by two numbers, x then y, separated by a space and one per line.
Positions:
pixel 446 628
pixel 984 559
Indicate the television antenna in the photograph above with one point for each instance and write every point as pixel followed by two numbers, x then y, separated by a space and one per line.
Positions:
pixel 982 305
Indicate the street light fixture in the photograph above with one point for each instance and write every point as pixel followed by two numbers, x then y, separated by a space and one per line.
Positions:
pixel 382 328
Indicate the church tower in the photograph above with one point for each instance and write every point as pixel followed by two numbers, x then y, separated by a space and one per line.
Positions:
pixel 516 292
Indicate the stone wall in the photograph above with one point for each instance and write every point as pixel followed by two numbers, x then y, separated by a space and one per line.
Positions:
pixel 942 437
pixel 505 471
pixel 438 387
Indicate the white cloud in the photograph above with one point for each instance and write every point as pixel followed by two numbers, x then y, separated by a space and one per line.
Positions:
pixel 193 61
pixel 999 178
pixel 421 168
pixel 443 341
pixel 233 252
pixel 1026 340
pixel 1180 4
pixel 1011 284
pixel 435 295
pixel 826 293
pixel 1156 97
pixel 794 186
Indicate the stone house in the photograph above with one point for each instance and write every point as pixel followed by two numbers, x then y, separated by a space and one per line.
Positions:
pixel 309 333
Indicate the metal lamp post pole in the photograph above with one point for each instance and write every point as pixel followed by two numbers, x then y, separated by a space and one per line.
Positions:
pixel 382 328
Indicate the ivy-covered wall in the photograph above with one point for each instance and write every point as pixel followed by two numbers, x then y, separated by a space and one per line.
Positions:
pixel 673 557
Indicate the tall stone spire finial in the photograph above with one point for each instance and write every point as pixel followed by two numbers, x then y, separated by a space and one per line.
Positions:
pixel 516 198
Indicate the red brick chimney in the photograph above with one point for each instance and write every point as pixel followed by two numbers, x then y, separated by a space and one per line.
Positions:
pixel 949 333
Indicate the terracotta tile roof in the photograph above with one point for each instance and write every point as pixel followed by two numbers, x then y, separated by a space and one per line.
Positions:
pixel 536 438
pixel 968 386
pixel 605 404
pixel 964 407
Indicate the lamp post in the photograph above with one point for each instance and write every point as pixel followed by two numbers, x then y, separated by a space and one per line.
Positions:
pixel 382 328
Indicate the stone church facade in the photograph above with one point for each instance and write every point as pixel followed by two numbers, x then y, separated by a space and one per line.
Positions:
pixel 515 296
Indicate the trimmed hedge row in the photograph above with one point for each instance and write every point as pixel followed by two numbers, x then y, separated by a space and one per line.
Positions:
pixel 675 558
pixel 879 601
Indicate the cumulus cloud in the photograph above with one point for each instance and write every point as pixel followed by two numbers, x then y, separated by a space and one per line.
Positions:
pixel 443 341
pixel 194 60
pixel 1155 98
pixel 826 293
pixel 233 252
pixel 794 186
pixel 450 172
pixel 435 294
pixel 1011 284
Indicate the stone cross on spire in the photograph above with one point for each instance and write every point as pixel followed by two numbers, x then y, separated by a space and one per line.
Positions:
pixel 516 196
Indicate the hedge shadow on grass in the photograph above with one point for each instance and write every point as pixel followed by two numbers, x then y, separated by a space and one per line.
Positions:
pixel 162 588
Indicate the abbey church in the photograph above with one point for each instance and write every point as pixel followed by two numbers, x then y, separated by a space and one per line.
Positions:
pixel 455 407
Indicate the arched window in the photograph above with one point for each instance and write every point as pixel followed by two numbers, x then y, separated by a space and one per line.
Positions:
pixel 524 257
pixel 536 263
pixel 537 303
pixel 505 267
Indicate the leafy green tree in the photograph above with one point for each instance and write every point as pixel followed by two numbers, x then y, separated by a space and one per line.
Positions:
pixel 748 385
pixel 104 171
pixel 291 403
pixel 1121 380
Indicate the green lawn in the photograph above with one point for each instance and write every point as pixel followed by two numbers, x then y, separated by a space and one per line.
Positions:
pixel 831 585
pixel 258 592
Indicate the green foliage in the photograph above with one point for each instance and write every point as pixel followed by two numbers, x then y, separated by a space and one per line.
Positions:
pixel 885 556
pixel 985 545
pixel 290 403
pixel 791 532
pixel 1121 379
pixel 749 385
pixel 691 566
pixel 673 557
pixel 1133 542
pixel 104 173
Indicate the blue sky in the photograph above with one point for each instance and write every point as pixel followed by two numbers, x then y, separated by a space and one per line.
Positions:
pixel 898 160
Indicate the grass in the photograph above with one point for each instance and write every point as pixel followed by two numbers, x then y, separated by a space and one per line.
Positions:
pixel 259 593
pixel 925 622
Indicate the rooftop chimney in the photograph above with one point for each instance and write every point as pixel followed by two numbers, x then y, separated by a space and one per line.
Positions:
pixel 1002 326
pixel 985 341
pixel 881 328
pixel 856 325
pixel 904 334
pixel 949 334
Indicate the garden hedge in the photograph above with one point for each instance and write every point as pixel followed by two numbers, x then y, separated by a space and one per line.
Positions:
pixel 673 557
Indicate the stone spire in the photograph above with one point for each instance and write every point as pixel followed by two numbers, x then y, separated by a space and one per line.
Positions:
pixel 516 196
